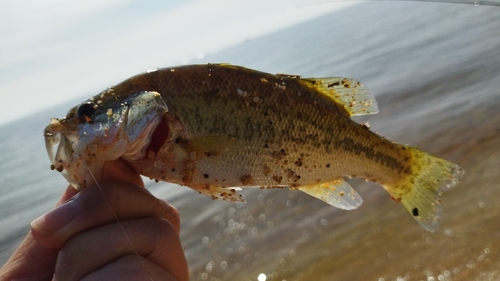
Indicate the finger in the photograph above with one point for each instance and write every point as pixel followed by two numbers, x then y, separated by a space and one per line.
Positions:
pixel 30 261
pixel 36 260
pixel 131 268
pixel 153 238
pixel 94 206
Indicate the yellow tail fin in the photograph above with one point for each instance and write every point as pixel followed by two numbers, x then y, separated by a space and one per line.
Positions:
pixel 420 190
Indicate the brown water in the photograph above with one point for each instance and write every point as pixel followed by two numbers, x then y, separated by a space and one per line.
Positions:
pixel 435 71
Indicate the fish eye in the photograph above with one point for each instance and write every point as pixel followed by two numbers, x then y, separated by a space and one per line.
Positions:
pixel 85 111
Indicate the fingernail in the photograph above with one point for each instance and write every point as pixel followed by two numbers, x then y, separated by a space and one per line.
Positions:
pixel 57 218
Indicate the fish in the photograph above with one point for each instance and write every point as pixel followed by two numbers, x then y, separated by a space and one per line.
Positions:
pixel 217 128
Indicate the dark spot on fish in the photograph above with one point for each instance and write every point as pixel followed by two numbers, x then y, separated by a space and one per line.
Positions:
pixel 333 84
pixel 278 155
pixel 267 170
pixel 414 212
pixel 205 176
pixel 156 180
pixel 292 175
pixel 266 145
pixel 277 179
pixel 213 92
pixel 247 179
pixel 52 167
pixel 177 140
pixel 298 163
pixel 173 170
pixel 211 153
pixel 60 168
pixel 328 165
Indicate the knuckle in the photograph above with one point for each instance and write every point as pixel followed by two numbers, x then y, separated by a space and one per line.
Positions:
pixel 170 212
pixel 164 230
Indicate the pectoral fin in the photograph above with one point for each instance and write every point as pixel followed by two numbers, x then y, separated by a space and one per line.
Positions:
pixel 338 194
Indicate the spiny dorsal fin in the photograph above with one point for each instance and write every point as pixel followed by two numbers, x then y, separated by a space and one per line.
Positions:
pixel 353 95
pixel 337 193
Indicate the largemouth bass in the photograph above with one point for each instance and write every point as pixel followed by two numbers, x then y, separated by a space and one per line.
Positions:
pixel 217 128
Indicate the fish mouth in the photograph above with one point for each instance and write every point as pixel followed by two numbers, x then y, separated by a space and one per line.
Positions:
pixel 60 150
pixel 54 142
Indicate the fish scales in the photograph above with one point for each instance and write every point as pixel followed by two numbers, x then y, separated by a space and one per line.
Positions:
pixel 218 127
pixel 306 126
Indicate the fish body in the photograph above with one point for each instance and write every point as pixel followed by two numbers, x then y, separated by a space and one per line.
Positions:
pixel 218 127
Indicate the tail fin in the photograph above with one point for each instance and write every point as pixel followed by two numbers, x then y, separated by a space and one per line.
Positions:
pixel 420 190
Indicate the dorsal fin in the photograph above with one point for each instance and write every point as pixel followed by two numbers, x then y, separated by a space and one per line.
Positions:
pixel 353 95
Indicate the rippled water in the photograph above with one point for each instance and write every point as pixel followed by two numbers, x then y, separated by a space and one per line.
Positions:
pixel 435 71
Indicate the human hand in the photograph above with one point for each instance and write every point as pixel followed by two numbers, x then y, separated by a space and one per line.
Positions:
pixel 82 240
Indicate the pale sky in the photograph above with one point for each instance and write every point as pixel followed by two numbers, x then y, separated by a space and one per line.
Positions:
pixel 54 51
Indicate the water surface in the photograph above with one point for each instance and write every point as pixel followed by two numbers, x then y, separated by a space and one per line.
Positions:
pixel 435 71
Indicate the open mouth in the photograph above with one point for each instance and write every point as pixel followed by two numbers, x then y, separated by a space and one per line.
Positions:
pixel 56 145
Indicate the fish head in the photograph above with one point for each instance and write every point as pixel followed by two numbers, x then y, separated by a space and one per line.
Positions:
pixel 103 128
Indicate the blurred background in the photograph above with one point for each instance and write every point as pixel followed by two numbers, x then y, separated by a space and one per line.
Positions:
pixel 433 67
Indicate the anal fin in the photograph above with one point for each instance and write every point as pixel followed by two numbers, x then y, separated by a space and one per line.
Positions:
pixel 338 194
